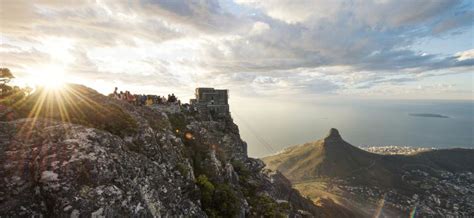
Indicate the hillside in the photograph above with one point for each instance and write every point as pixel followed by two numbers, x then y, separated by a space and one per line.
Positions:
pixel 330 156
pixel 334 157
pixel 333 169
pixel 76 153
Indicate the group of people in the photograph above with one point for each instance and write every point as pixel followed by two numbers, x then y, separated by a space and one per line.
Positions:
pixel 141 100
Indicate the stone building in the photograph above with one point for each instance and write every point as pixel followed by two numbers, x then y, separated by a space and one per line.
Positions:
pixel 215 101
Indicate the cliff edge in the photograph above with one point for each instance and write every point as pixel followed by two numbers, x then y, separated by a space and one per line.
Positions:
pixel 79 153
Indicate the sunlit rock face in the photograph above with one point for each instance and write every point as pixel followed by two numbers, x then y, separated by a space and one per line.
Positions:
pixel 50 167
pixel 64 169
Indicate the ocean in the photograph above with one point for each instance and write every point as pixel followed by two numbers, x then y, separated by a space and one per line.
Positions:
pixel 270 126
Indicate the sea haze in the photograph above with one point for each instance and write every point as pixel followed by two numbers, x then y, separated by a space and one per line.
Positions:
pixel 361 123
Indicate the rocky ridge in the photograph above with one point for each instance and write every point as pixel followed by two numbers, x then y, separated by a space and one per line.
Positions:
pixel 171 163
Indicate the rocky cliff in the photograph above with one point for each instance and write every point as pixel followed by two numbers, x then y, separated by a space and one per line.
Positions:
pixel 79 153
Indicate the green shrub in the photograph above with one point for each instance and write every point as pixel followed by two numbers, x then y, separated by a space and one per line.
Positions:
pixel 217 200
pixel 225 201
pixel 12 98
pixel 264 206
pixel 196 156
pixel 178 121
pixel 261 205
pixel 243 172
pixel 207 193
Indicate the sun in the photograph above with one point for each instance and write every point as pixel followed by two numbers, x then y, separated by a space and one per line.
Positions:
pixel 50 77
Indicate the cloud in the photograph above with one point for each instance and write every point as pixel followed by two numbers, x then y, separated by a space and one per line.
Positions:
pixel 374 13
pixel 465 55
pixel 259 28
pixel 269 47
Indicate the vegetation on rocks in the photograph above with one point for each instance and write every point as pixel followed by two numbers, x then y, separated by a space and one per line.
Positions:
pixel 76 104
pixel 178 122
pixel 106 157
pixel 217 200
pixel 261 205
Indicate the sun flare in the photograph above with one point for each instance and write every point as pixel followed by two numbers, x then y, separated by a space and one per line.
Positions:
pixel 49 77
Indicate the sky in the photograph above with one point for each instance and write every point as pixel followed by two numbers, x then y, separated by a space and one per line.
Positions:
pixel 265 52
pixel 384 49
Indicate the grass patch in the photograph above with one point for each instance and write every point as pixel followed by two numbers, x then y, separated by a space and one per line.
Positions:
pixel 75 104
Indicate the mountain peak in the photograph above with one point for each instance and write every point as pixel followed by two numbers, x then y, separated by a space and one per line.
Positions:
pixel 333 135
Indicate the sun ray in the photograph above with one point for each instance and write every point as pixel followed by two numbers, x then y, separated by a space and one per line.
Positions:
pixel 63 112
pixel 73 108
pixel 380 205
pixel 89 102
pixel 34 113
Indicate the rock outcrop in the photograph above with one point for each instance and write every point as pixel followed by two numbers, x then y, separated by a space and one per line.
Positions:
pixel 333 135
pixel 158 162
pixel 66 169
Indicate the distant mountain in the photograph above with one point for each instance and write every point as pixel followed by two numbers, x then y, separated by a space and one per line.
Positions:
pixel 333 157
pixel 360 183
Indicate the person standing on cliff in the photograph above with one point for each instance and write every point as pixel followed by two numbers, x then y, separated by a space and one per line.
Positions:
pixel 116 95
